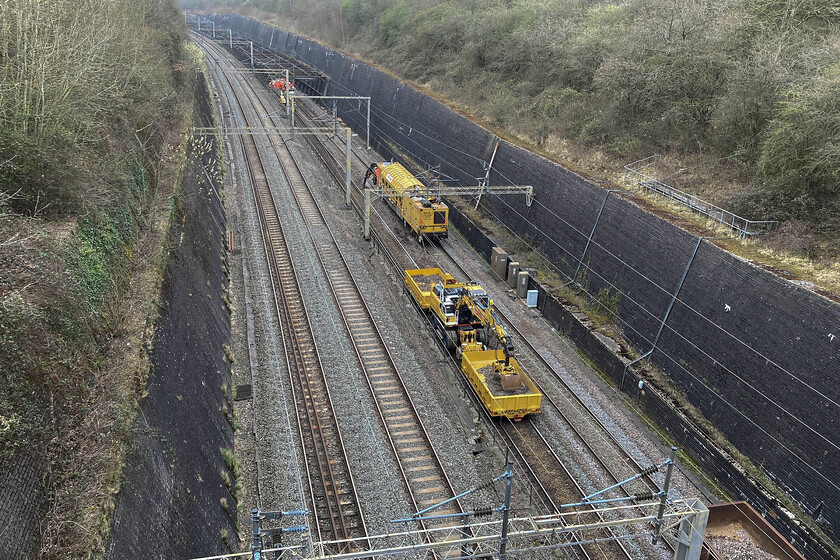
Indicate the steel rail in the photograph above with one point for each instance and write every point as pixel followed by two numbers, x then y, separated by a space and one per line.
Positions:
pixel 509 434
pixel 572 395
pixel 426 484
pixel 278 305
pixel 519 451
pixel 603 430
pixel 331 161
pixel 420 486
pixel 337 501
pixel 315 141
pixel 302 361
pixel 332 164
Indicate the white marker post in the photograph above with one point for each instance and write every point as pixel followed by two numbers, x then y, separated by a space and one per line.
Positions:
pixel 347 165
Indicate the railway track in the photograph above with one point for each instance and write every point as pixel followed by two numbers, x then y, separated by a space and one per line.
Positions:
pixel 529 445
pixel 536 456
pixel 544 467
pixel 333 494
pixel 331 153
pixel 614 461
pixel 613 458
pixel 424 477
pixel 585 425
pixel 553 480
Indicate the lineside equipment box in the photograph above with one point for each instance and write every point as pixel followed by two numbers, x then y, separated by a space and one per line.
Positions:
pixel 512 271
pixel 499 263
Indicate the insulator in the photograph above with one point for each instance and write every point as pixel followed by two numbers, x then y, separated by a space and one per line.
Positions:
pixel 650 470
pixel 644 496
pixel 482 512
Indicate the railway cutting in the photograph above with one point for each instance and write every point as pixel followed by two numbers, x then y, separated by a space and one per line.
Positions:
pixel 514 397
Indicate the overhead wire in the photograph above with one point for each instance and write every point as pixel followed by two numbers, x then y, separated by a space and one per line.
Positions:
pixel 642 307
pixel 390 116
pixel 713 483
pixel 741 413
pixel 615 315
pixel 624 294
pixel 676 362
pixel 765 358
pixel 670 295
pixel 655 284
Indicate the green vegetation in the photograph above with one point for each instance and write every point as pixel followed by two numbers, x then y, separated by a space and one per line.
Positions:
pixel 90 92
pixel 391 22
pixel 235 469
pixel 608 302
pixel 742 94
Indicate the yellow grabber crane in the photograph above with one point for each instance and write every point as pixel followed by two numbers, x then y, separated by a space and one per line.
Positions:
pixel 481 308
pixel 464 318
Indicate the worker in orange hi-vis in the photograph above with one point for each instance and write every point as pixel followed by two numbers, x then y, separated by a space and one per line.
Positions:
pixel 376 172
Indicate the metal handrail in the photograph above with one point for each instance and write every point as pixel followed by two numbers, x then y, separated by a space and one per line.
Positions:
pixel 633 174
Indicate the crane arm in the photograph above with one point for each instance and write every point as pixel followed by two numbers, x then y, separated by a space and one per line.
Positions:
pixel 489 319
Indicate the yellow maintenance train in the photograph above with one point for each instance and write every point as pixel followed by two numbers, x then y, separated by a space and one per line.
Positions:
pixel 425 213
pixel 465 321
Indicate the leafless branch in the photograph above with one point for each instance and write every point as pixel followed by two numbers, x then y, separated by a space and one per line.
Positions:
pixel 16 239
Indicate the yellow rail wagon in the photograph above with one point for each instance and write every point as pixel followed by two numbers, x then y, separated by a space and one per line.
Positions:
pixel 425 213
pixel 464 320
pixel 520 398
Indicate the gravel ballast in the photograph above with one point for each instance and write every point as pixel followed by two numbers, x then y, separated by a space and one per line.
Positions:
pixel 268 426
